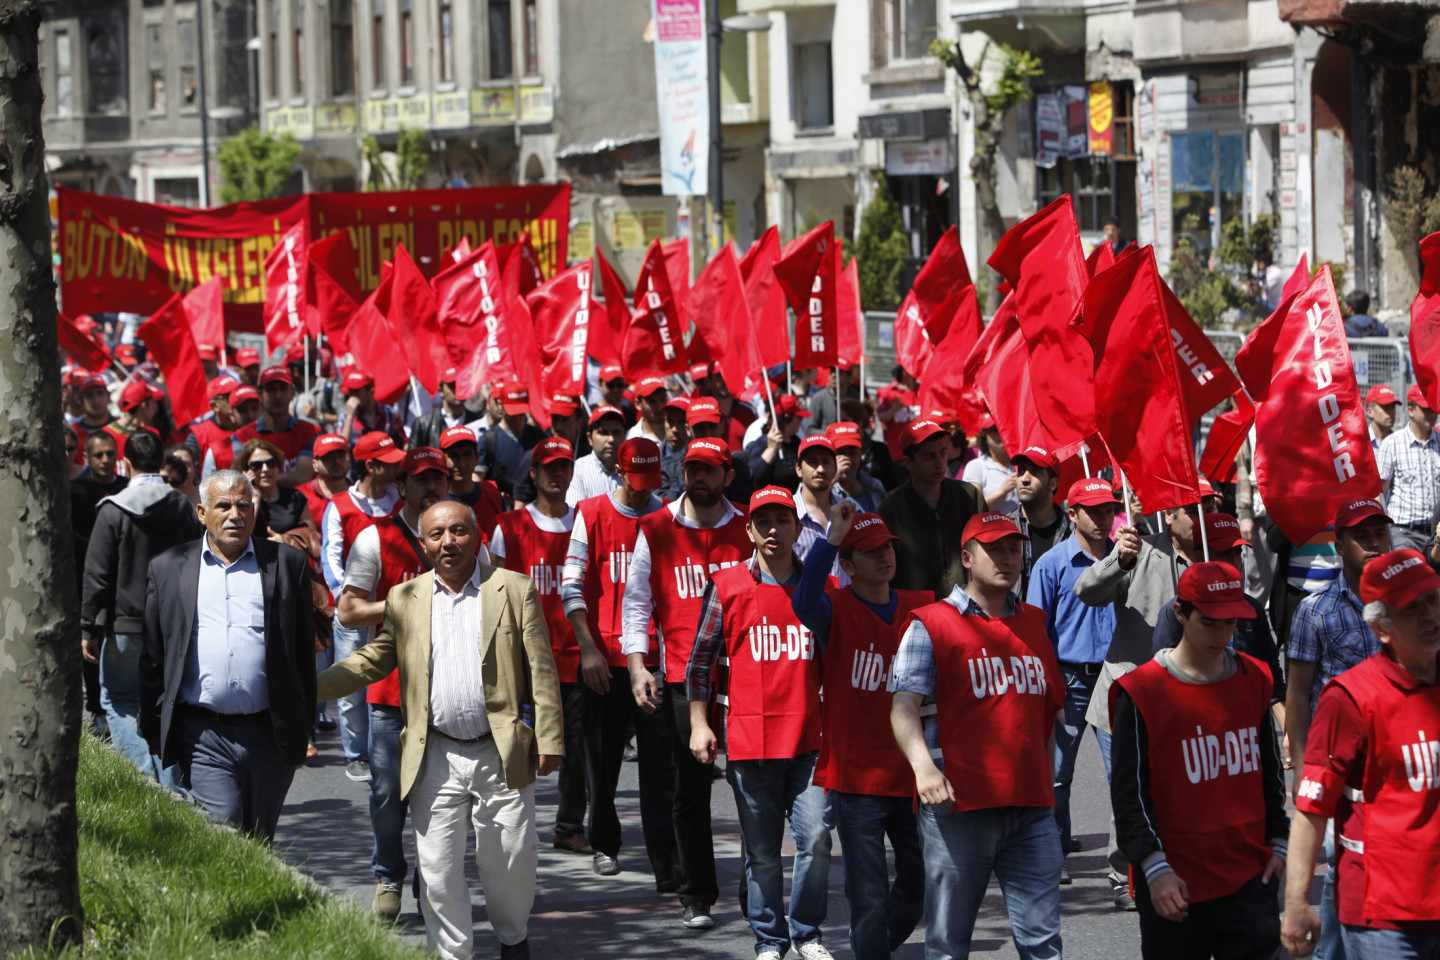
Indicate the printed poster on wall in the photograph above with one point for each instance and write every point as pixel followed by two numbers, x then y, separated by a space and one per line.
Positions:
pixel 1102 118
pixel 1049 129
pixel 1077 122
pixel 682 91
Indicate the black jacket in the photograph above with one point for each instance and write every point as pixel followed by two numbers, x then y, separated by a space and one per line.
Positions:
pixel 425 432
pixel 170 601
pixel 927 555
pixel 131 526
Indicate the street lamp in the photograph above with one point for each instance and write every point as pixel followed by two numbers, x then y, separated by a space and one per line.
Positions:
pixel 738 24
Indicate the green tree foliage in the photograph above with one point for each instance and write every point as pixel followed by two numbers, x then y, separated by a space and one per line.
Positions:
pixel 255 165
pixel 411 158
pixel 881 248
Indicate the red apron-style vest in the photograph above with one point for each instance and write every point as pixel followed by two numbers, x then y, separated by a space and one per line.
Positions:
pixel 858 753
pixel 398 563
pixel 1402 794
pixel 316 500
pixel 772 699
pixel 217 444
pixel 540 555
pixel 998 690
pixel 682 561
pixel 352 521
pixel 611 538
pixel 1205 779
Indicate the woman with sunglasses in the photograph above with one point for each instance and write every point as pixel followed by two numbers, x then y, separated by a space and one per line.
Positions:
pixel 281 508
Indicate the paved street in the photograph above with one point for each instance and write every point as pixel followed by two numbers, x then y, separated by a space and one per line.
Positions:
pixel 325 830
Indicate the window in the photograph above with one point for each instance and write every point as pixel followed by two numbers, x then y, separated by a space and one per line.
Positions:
pixel 1207 177
pixel 64 75
pixel 189 86
pixel 106 67
pixel 912 27
pixel 377 43
pixel 407 44
pixel 813 107
pixel 273 50
pixel 497 23
pixel 155 65
pixel 447 43
pixel 532 39
pixel 180 192
pixel 297 24
pixel 342 50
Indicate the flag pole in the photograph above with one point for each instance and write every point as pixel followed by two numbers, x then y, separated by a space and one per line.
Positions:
pixel 1204 540
pixel 1084 459
pixel 769 397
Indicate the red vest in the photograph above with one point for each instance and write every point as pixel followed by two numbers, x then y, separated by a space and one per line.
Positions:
pixel 1402 794
pixel 682 561
pixel 611 539
pixel 540 555
pixel 297 439
pixel 398 563
pixel 858 753
pixel 353 520
pixel 317 500
pixel 216 445
pixel 1205 779
pixel 998 690
pixel 772 699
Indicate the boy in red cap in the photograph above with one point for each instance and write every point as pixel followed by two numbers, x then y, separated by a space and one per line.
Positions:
pixel 1373 765
pixel 1409 462
pixel 736 416
pixel 815 466
pixel 613 390
pixel 871 789
pixel 1197 783
pixel 210 438
pixel 772 455
pixel 651 397
pixel 705 422
pixel 850 474
pixel 597 473
pixel 771 709
pixel 331 456
pixel 294 437
pixel 462 455
pixel 1380 404
pixel 980 669
pixel 247 365
pixel 362 414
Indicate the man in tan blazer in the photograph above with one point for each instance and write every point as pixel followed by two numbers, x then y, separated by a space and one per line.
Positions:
pixel 481 703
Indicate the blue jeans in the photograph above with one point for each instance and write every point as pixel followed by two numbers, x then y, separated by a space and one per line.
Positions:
pixel 1079 687
pixel 1364 943
pixel 323 659
pixel 387 809
pixel 766 792
pixel 882 915
pixel 1021 846
pixel 1330 946
pixel 354 718
pixel 120 699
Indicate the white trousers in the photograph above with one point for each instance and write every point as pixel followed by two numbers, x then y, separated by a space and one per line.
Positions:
pixel 459 785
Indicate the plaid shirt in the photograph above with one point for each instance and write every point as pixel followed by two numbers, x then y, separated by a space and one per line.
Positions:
pixel 1413 469
pixel 710 634
pixel 1329 631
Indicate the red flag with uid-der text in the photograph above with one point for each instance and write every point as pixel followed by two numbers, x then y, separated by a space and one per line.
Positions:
pixel 287 315
pixel 653 345
pixel 807 275
pixel 561 310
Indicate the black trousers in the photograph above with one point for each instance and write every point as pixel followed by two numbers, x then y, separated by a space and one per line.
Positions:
pixel 571 777
pixel 692 805
pixel 1244 925
pixel 605 736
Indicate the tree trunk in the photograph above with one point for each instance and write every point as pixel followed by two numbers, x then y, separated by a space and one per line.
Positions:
pixel 982 170
pixel 39 622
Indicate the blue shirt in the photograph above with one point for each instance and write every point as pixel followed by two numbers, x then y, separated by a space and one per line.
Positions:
pixel 1081 633
pixel 812 604
pixel 1329 630
pixel 225 665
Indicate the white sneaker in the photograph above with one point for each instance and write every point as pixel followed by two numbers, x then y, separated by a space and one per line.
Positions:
pixel 812 950
pixel 768 955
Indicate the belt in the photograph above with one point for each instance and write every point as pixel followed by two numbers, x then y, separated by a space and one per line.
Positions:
pixel 483 737
pixel 209 714
pixel 1420 526
pixel 1087 669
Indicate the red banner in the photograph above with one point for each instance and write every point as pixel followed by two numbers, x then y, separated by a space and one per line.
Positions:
pixel 806 272
pixel 560 309
pixel 1425 323
pixel 124 255
pixel 171 345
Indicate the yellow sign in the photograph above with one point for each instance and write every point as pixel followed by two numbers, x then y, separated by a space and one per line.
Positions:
pixel 492 106
pixel 537 104
pixel 392 113
pixel 582 241
pixel 335 120
pixel 299 122
pixel 652 224
pixel 626 235
pixel 451 109
pixel 730 221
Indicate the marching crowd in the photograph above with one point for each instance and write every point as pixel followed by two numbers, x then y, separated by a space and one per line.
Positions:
pixel 890 631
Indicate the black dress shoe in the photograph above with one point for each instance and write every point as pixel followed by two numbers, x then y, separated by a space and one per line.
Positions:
pixel 515 951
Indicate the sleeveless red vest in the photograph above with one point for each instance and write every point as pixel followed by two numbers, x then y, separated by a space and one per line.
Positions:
pixel 611 539
pixel 218 443
pixel 353 520
pixel 540 555
pixel 398 563
pixel 682 561
pixel 858 753
pixel 772 699
pixel 317 500
pixel 1402 794
pixel 998 689
pixel 1205 777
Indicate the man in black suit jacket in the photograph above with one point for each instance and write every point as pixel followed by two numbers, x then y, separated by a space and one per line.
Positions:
pixel 227 670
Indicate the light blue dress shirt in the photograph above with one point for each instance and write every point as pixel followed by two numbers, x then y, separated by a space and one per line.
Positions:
pixel 225 664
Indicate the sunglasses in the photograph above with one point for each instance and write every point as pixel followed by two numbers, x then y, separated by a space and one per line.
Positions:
pixel 271 464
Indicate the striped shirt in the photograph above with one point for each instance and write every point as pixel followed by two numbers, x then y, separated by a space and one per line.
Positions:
pixel 590 479
pixel 457 686
pixel 1412 468
pixel 709 647
pixel 1329 630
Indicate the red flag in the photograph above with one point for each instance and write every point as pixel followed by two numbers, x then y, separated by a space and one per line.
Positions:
pixel 724 329
pixel 677 269
pixel 170 343
pixel 333 288
pixel 81 348
pixel 807 275
pixel 652 343
pixel 460 291
pixel 1004 381
pixel 560 311
pixel 1206 377
pixel 913 348
pixel 519 262
pixel 951 380
pixel 1425 323
pixel 287 315
pixel 414 323
pixel 493 353
pixel 1041 260
pixel 453 255
pixel 1298 281
pixel 205 310
pixel 1139 399
pixel 527 354
pixel 766 299
pixel 1227 435
pixel 605 346
pixel 942 285
pixel 850 317
pixel 1312 442
pixel 1100 259
pixel 373 347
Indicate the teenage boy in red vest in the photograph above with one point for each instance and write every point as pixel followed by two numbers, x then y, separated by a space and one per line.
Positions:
pixel 870 785
pixel 980 668
pixel 383 555
pixel 597 564
pixel 533 540
pixel 1372 762
pixel 294 437
pixel 771 707
pixel 677 551
pixel 1197 784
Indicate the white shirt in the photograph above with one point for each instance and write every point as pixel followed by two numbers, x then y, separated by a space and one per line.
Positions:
pixel 590 479
pixel 457 683
pixel 987 475
pixel 332 537
pixel 548 524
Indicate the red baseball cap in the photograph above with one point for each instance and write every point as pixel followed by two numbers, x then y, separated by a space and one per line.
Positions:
pixel 679 402
pixel 918 431
pixel 605 410
pixel 989 527
pixel 156 393
pixel 276 375
pixel 771 496
pixel 378 446
pixel 221 387
pixel 843 434
pixel 456 434
pixel 1206 490
pixel 357 380
pixel 1091 492
pixel 563 404
pixel 75 376
pixel 1218 590
pixel 711 450
pixel 867 532
pixel 787 404
pixel 640 461
pixel 242 393
pixel 813 441
pixel 552 448
pixel 419 460
pixel 648 385
pixel 1396 578
pixel 328 443
pixel 942 415
pixel 1354 511
pixel 135 393
pixel 86 323
pixel 295 353
pixel 513 396
pixel 206 351
pixel 448 376
pixel 611 372
pixel 125 353
pixel 247 357
pixel 1038 456
pixel 1413 395
pixel 1222 532
pixel 703 410
pixel 1380 394
pixel 701 371
pixel 92 382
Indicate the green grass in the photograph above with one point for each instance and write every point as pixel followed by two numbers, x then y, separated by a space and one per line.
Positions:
pixel 157 879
